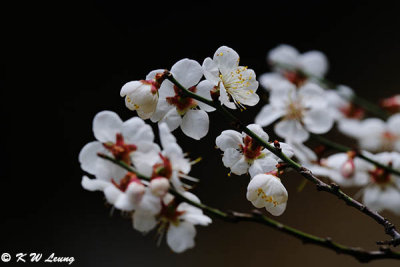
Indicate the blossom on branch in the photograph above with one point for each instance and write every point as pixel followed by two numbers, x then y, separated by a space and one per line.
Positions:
pixel 234 85
pixel 142 95
pixel 175 219
pixel 176 109
pixel 243 154
pixel 301 111
pixel 373 134
pixel 267 191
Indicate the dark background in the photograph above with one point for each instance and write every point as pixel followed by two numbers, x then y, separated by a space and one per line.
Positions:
pixel 65 62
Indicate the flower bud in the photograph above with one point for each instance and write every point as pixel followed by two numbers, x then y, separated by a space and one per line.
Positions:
pixel 136 191
pixel 159 186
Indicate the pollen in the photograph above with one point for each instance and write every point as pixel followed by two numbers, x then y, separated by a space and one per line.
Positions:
pixel 265 197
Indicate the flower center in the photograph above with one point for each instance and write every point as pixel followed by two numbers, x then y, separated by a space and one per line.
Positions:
pixel 169 213
pixel 119 149
pixel 380 176
pixel 182 103
pixel 295 77
pixel 295 110
pixel 126 181
pixel 163 169
pixel 265 197
pixel 251 150
pixel 352 111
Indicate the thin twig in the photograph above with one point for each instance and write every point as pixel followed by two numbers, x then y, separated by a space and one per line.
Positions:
pixel 390 229
pixel 234 217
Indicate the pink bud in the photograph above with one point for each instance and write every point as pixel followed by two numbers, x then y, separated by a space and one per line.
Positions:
pixel 348 168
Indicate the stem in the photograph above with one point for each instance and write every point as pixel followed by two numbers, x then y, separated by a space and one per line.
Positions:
pixel 334 189
pixel 234 217
pixel 342 148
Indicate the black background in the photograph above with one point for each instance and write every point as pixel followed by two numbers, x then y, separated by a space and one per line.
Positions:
pixel 65 62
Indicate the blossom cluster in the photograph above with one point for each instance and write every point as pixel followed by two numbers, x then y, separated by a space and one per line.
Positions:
pixel 301 103
pixel 151 181
pixel 143 192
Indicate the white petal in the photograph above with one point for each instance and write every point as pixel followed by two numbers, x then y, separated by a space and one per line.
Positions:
pixel 195 124
pixel 229 139
pixel 166 137
pixel 135 130
pixel 291 130
pixel 234 160
pixel 226 59
pixel 313 62
pixel 262 165
pixel 268 115
pixel 270 81
pixel 211 71
pixel 106 124
pixel 181 237
pixel 88 156
pixel 94 184
pixel 172 119
pixel 276 210
pixel 312 96
pixel 283 54
pixel 129 87
pixel 187 72
pixel 393 124
pixel 144 221
pixel 318 121
pixel 257 129
pixel 203 89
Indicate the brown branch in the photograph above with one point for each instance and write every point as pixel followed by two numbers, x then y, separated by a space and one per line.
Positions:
pixel 390 229
pixel 257 217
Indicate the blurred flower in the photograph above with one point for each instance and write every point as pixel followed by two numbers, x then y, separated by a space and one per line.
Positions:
pixel 177 220
pixel 383 192
pixel 267 191
pixel 302 111
pixel 374 134
pixel 391 104
pixel 345 169
pixel 243 154
pixel 287 59
pixel 236 85
pixel 175 109
pixel 142 95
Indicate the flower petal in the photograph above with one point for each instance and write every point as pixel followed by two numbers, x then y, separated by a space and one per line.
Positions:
pixel 106 124
pixel 181 237
pixel 187 72
pixel 195 124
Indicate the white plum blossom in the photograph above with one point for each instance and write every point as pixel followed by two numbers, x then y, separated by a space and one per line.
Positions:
pixel 340 105
pixel 267 191
pixel 236 85
pixel 178 221
pixel 374 134
pixel 243 154
pixel 285 56
pixel 171 163
pixel 142 95
pixel 345 169
pixel 301 111
pixel 176 109
pixel 383 192
pixel 124 141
